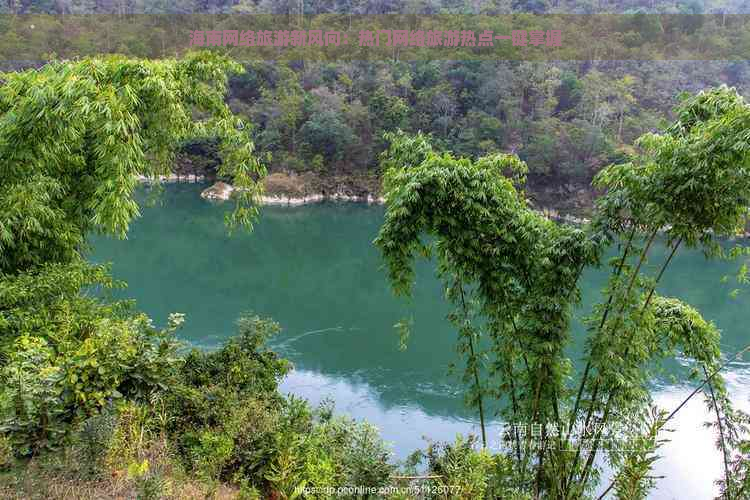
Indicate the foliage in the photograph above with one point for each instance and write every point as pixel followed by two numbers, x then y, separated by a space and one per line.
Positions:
pixel 229 422
pixel 93 377
pixel 522 271
pixel 486 237
pixel 90 376
pixel 92 441
pixel 587 111
pixel 6 453
pixel 326 135
pixel 591 97
pixel 50 385
pixel 74 136
pixel 218 418
pixel 469 473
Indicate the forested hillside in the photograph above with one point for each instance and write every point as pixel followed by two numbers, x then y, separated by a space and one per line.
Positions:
pixel 356 7
pixel 566 119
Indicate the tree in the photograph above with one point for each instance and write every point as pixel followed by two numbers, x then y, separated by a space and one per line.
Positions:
pixel 290 96
pixel 438 107
pixel 326 134
pixel 389 112
pixel 513 276
pixel 569 92
pixel 479 134
pixel 74 136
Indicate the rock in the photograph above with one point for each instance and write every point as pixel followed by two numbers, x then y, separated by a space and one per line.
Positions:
pixel 219 191
pixel 162 178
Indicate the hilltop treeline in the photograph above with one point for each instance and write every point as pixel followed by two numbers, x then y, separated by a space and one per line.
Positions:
pixel 565 119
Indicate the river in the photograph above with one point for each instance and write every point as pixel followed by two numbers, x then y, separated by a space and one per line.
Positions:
pixel 315 271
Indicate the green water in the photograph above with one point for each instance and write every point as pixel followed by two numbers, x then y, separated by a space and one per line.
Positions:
pixel 314 270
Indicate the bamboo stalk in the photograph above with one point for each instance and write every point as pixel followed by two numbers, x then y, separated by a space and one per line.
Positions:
pixel 474 366
pixel 611 396
pixel 724 455
pixel 685 401
pixel 601 325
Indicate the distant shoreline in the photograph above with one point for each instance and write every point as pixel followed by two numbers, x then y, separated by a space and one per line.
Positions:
pixel 225 191
pixel 221 191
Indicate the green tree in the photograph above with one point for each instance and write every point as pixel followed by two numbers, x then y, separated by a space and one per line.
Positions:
pixel 289 96
pixel 521 272
pixel 74 137
pixel 389 112
pixel 326 133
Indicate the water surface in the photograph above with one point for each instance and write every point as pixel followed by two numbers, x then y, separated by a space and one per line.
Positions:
pixel 315 271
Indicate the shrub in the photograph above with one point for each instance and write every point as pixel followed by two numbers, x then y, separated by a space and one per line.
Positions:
pixel 32 414
pixel 52 386
pixel 211 450
pixel 92 442
pixel 470 473
pixel 6 453
pixel 229 422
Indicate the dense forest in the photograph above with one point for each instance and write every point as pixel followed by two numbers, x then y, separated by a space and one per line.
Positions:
pixel 356 7
pixel 565 119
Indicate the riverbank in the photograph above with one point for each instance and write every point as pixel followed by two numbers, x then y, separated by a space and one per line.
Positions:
pixel 294 190
pixel 285 189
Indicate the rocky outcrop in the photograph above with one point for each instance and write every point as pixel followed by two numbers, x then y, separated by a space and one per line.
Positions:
pixel 315 198
pixel 291 200
pixel 171 178
pixel 219 191
pixel 292 189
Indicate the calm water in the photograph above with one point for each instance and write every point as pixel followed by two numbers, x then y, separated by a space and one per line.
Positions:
pixel 314 270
